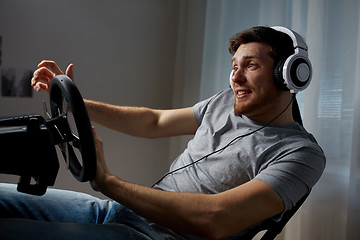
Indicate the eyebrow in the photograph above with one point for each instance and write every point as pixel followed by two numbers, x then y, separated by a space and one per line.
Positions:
pixel 245 57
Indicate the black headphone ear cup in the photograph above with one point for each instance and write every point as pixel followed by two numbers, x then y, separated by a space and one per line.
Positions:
pixel 278 76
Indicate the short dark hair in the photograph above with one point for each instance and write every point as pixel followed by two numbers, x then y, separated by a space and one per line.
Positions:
pixel 281 45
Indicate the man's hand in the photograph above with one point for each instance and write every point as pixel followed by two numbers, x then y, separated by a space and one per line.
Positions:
pixel 102 171
pixel 46 70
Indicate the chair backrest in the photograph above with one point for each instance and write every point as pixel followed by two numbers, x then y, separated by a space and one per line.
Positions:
pixel 274 228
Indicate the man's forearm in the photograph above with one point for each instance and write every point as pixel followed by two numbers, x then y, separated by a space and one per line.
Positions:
pixel 135 121
pixel 141 121
pixel 213 216
pixel 188 213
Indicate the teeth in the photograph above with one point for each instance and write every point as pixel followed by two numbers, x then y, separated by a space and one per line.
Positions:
pixel 242 92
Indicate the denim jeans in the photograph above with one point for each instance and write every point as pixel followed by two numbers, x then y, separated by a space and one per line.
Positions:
pixel 74 207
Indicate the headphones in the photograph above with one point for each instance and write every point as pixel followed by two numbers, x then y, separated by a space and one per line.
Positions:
pixel 293 73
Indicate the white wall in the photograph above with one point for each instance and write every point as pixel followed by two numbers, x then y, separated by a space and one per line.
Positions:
pixel 125 52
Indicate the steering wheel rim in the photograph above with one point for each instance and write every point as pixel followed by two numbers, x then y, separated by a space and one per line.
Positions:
pixel 62 87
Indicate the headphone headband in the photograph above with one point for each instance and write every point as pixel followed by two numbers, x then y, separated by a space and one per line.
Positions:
pixel 293 73
pixel 298 41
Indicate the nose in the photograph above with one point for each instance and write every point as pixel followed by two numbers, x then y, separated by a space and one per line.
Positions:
pixel 236 76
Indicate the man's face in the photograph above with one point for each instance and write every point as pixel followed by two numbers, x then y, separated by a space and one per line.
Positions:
pixel 254 88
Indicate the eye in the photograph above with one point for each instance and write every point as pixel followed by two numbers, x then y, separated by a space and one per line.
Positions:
pixel 251 66
pixel 235 69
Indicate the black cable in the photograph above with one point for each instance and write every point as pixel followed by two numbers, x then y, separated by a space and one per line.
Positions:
pixel 227 145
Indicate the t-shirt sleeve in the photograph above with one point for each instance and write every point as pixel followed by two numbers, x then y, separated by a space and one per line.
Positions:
pixel 294 173
pixel 200 108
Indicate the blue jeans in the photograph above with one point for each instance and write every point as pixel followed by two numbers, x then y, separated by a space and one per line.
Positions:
pixel 68 206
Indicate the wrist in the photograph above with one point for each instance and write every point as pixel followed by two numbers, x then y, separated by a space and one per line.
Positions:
pixel 106 184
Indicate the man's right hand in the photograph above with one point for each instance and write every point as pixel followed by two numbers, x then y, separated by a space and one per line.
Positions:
pixel 46 70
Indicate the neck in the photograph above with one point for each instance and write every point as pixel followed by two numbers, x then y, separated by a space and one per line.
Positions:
pixel 285 117
pixel 282 114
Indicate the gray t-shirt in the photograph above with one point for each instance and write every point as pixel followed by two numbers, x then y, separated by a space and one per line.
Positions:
pixel 286 157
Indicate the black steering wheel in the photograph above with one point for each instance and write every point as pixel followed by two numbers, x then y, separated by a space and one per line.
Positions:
pixel 62 88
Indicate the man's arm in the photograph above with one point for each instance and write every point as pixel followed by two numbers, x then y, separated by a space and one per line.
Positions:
pixel 141 121
pixel 136 121
pixel 209 215
pixel 212 216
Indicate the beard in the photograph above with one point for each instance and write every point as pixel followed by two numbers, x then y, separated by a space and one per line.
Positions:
pixel 256 105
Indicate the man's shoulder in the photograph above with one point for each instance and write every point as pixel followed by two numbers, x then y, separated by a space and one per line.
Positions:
pixel 222 98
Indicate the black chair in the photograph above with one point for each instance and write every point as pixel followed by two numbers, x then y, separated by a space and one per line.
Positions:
pixel 271 227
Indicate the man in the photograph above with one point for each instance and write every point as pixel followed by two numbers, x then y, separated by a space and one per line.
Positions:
pixel 248 160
